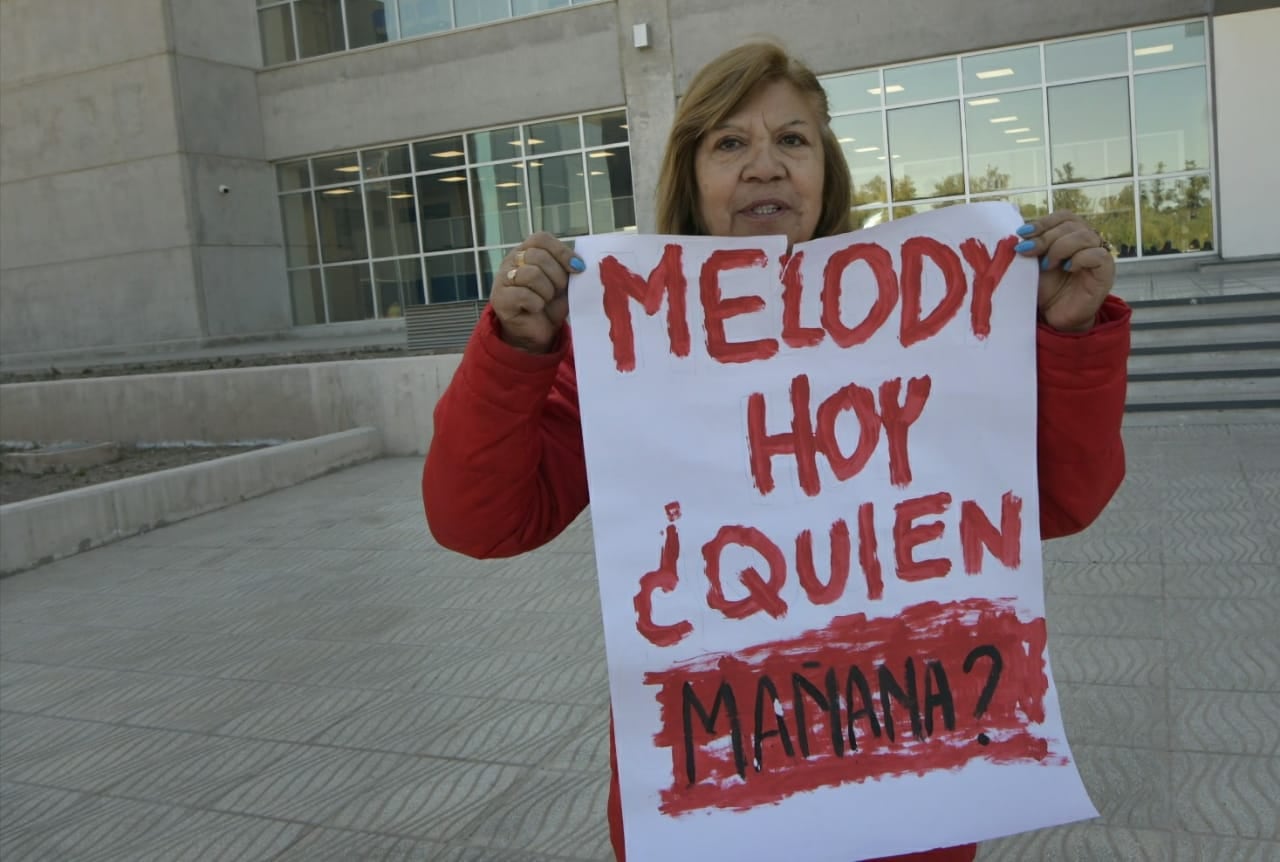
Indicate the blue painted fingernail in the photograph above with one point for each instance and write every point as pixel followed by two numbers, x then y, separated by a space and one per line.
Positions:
pixel 577 264
pixel 1026 230
pixel 1025 245
pixel 1044 264
pixel 1066 267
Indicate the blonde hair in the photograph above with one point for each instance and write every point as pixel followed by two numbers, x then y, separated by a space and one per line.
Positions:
pixel 718 90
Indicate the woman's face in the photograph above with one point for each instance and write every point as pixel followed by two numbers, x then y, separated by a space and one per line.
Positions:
pixel 760 172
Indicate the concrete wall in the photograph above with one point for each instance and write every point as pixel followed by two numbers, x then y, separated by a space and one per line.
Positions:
pixel 1245 69
pixel 282 402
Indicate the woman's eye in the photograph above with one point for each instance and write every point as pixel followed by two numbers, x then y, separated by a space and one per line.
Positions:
pixel 792 140
pixel 728 144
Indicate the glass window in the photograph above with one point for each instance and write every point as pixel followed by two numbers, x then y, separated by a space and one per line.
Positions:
pixel 299 230
pixel 319 27
pixel 861 136
pixel 613 207
pixel 605 129
pixel 526 7
pixel 388 162
pixel 490 261
pixel 857 92
pixel 1001 70
pixel 1177 215
pixel 398 283
pixel 553 137
pixel 1086 58
pixel 451 277
pixel 1172 119
pixel 419 17
pixel 1030 204
pixel 868 218
pixel 349 291
pixel 307 297
pixel 293 175
pixel 920 82
pixel 438 154
pixel 921 207
pixel 1006 142
pixel 446 211
pixel 924 152
pixel 1089 131
pixel 496 145
pixel 341 219
pixel 1108 208
pixel 468 12
pixel 1168 46
pixel 500 205
pixel 558 195
pixel 332 170
pixel 370 22
pixel 276 27
pixel 393 226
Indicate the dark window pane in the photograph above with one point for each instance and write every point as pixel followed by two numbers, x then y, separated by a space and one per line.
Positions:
pixel 467 12
pixel 1000 70
pixel 319 27
pixel 1173 120
pixel 855 92
pixel 451 277
pixel 388 162
pixel 490 263
pixel 446 213
pixel 438 154
pixel 333 170
pixel 605 129
pixel 419 17
pixel 307 297
pixel 919 82
pixel 526 7
pixel 558 195
pixel 299 230
pixel 293 175
pixel 924 152
pixel 501 208
pixel 1086 58
pixel 393 226
pixel 276 26
pixel 613 205
pixel 1006 141
pixel 1177 215
pixel 861 136
pixel 399 283
pixel 496 145
pixel 552 137
pixel 1089 131
pixel 370 22
pixel 1168 46
pixel 1108 208
pixel 341 218
pixel 350 292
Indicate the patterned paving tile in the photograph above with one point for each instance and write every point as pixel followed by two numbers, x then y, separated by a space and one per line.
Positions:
pixel 1229 796
pixel 1228 722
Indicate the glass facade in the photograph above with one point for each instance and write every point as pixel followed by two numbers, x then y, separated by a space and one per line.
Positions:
pixel 296 29
pixel 1113 126
pixel 369 232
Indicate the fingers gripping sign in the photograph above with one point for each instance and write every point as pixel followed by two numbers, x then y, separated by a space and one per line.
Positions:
pixel 1077 270
pixel 530 294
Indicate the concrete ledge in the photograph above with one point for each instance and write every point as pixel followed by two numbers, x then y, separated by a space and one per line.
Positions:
pixel 33 532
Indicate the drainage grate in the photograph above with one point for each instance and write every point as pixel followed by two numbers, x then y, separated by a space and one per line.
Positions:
pixel 445 326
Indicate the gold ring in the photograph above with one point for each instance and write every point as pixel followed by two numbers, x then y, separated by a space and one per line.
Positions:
pixel 520 258
pixel 511 275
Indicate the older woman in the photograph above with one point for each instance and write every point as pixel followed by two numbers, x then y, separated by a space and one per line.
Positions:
pixel 751 153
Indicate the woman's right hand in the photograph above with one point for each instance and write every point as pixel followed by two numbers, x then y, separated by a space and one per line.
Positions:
pixel 530 292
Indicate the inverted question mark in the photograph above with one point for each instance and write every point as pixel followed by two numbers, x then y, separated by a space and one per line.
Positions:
pixel 993 679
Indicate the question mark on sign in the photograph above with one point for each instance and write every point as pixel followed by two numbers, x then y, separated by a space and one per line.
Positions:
pixel 993 679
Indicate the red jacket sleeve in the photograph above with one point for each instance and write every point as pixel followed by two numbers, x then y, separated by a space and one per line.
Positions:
pixel 1081 391
pixel 505 472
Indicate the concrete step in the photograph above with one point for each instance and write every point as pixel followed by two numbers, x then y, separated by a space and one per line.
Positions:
pixel 1232 363
pixel 1223 394
pixel 1205 338
pixel 1218 312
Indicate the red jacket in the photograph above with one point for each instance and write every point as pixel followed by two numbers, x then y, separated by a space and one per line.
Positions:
pixel 506 473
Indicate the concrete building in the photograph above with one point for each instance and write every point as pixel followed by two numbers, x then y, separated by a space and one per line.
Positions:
pixel 178 172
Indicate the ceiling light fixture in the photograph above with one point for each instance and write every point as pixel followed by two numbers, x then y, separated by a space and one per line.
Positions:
pixel 973 103
pixel 995 73
pixel 1154 49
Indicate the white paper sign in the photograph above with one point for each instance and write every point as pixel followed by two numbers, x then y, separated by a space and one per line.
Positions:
pixel 813 489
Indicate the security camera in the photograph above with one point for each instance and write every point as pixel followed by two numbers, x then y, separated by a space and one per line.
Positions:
pixel 224 190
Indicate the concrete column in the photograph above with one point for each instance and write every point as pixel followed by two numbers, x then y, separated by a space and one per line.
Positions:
pixel 648 78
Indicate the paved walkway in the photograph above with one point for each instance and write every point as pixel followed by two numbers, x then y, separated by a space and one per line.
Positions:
pixel 307 677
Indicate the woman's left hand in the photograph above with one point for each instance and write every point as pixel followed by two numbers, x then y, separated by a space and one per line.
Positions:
pixel 1077 270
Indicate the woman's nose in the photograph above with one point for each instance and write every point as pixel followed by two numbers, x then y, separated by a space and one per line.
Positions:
pixel 763 164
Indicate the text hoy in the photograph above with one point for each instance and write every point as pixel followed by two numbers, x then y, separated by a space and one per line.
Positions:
pixel 905 284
